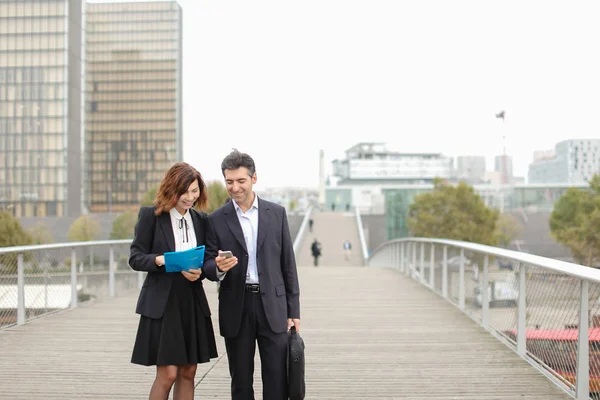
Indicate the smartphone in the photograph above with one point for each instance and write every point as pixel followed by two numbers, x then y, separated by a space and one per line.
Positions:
pixel 225 254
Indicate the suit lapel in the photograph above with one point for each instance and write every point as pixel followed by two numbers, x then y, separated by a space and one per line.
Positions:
pixel 196 221
pixel 263 222
pixel 234 224
pixel 164 220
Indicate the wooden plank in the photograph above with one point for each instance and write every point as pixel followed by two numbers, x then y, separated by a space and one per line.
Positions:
pixel 370 334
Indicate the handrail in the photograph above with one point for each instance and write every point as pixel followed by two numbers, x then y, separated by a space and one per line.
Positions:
pixel 35 247
pixel 361 235
pixel 563 267
pixel 300 234
pixel 567 282
pixel 29 269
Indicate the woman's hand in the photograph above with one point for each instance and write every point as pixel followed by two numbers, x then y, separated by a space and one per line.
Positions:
pixel 159 261
pixel 192 275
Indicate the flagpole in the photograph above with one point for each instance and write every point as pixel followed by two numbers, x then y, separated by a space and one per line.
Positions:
pixel 504 179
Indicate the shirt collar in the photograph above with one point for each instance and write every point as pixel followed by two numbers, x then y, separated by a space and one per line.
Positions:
pixel 254 204
pixel 175 214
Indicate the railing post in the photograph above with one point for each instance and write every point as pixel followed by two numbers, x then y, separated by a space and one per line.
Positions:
pixel 422 263
pixel 111 272
pixel 432 266
pixel 582 384
pixel 408 246
pixel 521 313
pixel 485 301
pixel 402 263
pixel 461 281
pixel 20 290
pixel 73 278
pixel 414 259
pixel 445 273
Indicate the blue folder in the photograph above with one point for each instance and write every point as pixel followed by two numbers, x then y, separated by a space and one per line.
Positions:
pixel 177 261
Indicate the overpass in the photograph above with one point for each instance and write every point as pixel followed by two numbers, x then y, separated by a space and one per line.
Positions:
pixel 407 320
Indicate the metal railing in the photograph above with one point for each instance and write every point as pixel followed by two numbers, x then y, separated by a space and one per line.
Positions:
pixel 361 236
pixel 533 304
pixel 300 235
pixel 41 279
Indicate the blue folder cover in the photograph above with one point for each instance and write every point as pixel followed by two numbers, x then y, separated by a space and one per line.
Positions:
pixel 177 261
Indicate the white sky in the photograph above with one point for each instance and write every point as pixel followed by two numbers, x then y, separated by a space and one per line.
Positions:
pixel 282 79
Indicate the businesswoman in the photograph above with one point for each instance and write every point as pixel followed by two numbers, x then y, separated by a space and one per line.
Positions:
pixel 175 331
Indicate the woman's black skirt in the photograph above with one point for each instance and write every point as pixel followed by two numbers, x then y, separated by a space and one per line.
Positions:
pixel 184 335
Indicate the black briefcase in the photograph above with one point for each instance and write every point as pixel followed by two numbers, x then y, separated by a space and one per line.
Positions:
pixel 295 364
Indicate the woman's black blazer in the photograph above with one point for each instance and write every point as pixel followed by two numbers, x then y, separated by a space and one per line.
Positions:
pixel 154 236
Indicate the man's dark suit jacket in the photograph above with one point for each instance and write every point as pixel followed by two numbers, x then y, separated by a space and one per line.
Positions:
pixel 277 275
pixel 154 236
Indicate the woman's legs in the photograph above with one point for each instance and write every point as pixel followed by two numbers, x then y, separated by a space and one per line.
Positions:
pixel 184 384
pixel 166 375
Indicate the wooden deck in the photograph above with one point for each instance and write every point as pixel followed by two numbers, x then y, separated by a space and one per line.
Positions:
pixel 370 334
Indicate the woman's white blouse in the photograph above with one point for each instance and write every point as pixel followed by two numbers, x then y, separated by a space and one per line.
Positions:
pixel 183 230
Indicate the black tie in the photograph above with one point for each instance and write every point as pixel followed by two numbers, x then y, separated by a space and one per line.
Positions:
pixel 182 223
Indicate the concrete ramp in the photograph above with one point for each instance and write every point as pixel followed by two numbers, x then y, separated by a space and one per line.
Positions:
pixel 331 229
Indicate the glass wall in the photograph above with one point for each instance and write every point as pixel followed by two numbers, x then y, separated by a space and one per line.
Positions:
pixel 133 97
pixel 33 107
pixel 397 205
pixel 338 199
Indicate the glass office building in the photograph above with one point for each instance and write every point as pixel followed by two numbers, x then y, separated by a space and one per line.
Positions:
pixel 40 107
pixel 133 100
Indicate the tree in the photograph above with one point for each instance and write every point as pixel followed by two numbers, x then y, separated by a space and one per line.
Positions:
pixel 508 229
pixel 217 196
pixel 84 229
pixel 575 221
pixel 11 231
pixel 453 212
pixel 40 234
pixel 123 226
pixel 293 204
pixel 11 234
pixel 149 196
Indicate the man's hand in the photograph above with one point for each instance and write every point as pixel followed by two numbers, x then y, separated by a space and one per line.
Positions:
pixel 224 264
pixel 192 275
pixel 294 322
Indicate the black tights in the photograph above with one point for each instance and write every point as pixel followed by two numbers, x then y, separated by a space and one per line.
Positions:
pixel 180 375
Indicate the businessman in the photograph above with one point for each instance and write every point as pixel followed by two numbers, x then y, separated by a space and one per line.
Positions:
pixel 259 296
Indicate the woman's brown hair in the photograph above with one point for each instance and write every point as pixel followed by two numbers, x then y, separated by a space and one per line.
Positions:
pixel 176 182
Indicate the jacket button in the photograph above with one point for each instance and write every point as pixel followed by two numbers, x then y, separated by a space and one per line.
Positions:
pixel 263 294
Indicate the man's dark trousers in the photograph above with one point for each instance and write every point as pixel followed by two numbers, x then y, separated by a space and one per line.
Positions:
pixel 271 346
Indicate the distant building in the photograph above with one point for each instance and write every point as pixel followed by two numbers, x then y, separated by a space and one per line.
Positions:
pixel 133 100
pixel 375 162
pixel 40 108
pixel 503 164
pixel 573 161
pixel 470 168
pixel 369 167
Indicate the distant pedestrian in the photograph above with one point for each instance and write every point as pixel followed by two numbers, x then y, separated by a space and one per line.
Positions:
pixel 347 250
pixel 315 248
pixel 310 225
